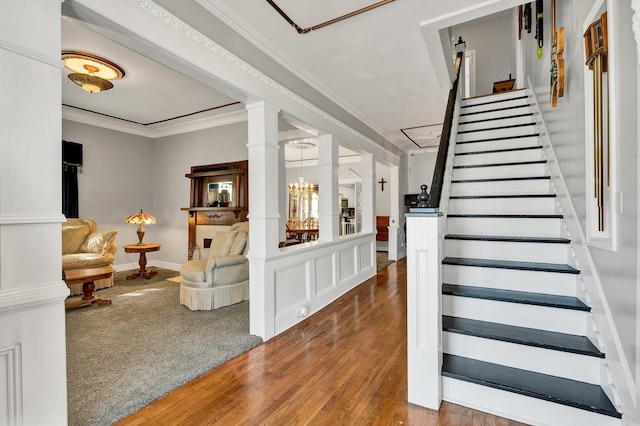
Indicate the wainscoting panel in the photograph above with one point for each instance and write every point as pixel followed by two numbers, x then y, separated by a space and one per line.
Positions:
pixel 308 278
pixel 10 401
pixel 291 286
pixel 325 276
pixel 347 263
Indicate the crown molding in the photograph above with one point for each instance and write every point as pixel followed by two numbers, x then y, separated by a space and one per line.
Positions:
pixel 157 130
pixel 27 52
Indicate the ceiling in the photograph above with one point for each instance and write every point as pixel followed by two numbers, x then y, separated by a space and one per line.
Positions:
pixel 377 66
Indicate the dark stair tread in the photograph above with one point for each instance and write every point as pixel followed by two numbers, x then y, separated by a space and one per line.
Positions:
pixel 505 179
pixel 513 296
pixel 511 126
pixel 502 138
pixel 499 151
pixel 511 264
pixel 507 238
pixel 549 388
pixel 475 197
pixel 515 163
pixel 552 340
pixel 507 117
pixel 495 101
pixel 509 216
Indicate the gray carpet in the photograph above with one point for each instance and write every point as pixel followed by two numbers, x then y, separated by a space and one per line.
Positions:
pixel 123 356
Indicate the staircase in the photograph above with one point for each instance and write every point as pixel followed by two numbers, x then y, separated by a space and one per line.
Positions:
pixel 514 332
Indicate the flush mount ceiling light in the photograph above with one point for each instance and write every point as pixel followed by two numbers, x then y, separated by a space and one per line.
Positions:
pixel 91 72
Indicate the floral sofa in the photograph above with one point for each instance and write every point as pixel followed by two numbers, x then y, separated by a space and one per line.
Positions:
pixel 83 246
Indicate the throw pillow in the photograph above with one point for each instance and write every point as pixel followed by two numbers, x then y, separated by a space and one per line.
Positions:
pixel 73 237
pixel 239 243
pixel 221 243
pixel 98 242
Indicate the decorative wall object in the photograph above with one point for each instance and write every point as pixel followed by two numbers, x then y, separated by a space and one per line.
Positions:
pixel 596 51
pixel 557 61
pixel 527 17
pixel 539 27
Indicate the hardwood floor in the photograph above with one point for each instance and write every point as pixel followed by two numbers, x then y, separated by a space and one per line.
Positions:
pixel 346 365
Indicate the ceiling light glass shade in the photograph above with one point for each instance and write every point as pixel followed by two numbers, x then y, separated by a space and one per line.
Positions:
pixel 141 219
pixel 91 72
pixel 90 83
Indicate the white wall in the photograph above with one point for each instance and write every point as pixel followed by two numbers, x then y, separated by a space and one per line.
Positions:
pixel 421 167
pixel 618 270
pixel 123 173
pixel 493 40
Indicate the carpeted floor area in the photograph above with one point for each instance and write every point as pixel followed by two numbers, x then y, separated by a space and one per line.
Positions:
pixel 123 356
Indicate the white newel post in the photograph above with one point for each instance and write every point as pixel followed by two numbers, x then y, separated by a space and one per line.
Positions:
pixel 264 216
pixel 328 213
pixel 424 324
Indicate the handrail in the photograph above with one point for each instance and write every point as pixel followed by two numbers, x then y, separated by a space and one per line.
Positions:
pixel 441 159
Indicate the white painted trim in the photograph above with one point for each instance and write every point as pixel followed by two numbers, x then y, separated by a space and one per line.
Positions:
pixel 18 219
pixel 625 387
pixel 18 49
pixel 31 296
pixel 635 5
pixel 157 131
pixel 12 368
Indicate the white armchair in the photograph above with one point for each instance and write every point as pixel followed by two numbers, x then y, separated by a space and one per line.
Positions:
pixel 218 276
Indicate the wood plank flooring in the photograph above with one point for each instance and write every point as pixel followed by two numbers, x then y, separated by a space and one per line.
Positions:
pixel 345 365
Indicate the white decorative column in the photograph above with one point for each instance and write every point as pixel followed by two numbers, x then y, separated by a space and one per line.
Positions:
pixel 264 218
pixel 33 377
pixel 329 214
pixel 394 221
pixel 368 193
pixel 283 196
pixel 424 306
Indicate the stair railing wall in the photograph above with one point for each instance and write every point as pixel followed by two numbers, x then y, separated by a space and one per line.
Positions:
pixel 617 378
pixel 425 233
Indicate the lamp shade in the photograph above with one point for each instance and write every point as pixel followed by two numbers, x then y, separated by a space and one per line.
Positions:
pixel 141 218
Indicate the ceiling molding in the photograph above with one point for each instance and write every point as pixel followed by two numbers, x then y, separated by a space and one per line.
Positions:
pixel 29 53
pixel 153 131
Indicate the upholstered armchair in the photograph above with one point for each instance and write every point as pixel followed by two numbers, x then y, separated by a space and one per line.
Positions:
pixel 217 276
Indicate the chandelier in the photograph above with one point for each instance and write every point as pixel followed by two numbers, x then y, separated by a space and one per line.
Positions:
pixel 301 187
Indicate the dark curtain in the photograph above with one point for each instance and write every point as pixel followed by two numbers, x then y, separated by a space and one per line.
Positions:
pixel 69 190
pixel 71 159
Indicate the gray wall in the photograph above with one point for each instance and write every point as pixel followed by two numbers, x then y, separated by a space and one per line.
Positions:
pixel 493 40
pixel 618 270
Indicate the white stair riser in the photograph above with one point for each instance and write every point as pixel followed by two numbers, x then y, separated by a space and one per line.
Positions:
pixel 497 133
pixel 521 408
pixel 521 315
pixel 497 144
pixel 464 118
pixel 503 122
pixel 532 186
pixel 546 361
pixel 498 157
pixel 525 170
pixel 505 227
pixel 502 206
pixel 501 250
pixel 495 97
pixel 493 105
pixel 509 279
